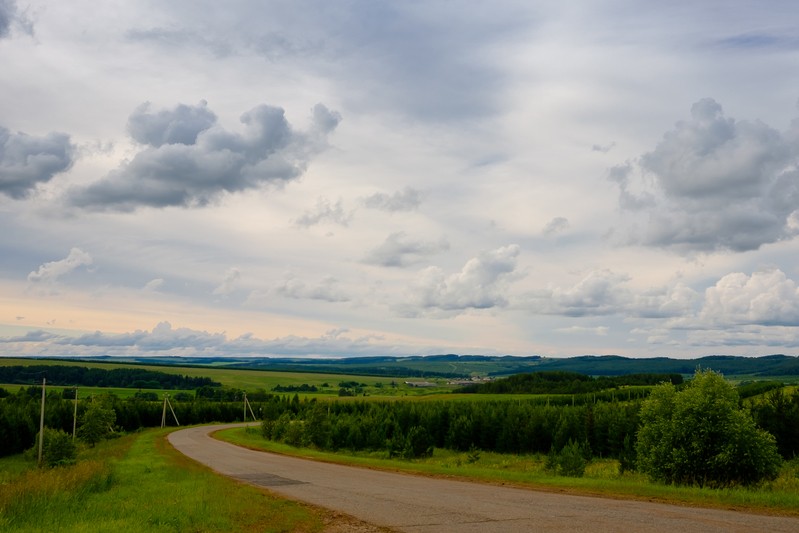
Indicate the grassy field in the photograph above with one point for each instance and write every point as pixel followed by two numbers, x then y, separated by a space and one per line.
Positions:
pixel 139 483
pixel 251 380
pixel 601 477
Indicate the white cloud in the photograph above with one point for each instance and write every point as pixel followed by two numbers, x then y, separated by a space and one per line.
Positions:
pixel 599 331
pixel 717 184
pixel 766 298
pixel 408 199
pixel 163 339
pixel 154 284
pixel 600 292
pixel 229 283
pixel 604 292
pixel 51 272
pixel 556 225
pixel 327 289
pixel 324 212
pixel 481 284
pixel 399 251
pixel 190 161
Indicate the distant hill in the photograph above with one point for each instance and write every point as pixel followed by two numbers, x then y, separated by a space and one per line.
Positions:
pixel 462 366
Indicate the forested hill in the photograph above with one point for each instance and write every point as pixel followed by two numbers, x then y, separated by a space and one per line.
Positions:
pixel 137 378
pixel 457 366
pixel 464 366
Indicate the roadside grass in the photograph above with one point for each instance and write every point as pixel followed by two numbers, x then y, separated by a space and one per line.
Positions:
pixel 139 483
pixel 602 477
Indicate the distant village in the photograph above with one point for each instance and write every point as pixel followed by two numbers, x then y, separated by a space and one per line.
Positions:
pixel 454 382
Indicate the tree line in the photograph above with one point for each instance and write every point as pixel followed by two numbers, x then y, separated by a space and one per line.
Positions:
pixel 136 378
pixel 562 382
pixel 607 424
pixel 19 413
pixel 698 434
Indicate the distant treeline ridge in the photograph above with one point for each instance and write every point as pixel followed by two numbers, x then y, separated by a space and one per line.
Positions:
pixel 135 378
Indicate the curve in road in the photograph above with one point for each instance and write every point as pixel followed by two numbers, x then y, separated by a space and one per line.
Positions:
pixel 431 505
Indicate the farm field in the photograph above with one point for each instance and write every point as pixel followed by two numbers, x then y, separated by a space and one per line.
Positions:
pixel 252 380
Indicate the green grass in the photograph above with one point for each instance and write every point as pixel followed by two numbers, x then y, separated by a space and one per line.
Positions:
pixel 251 380
pixel 601 477
pixel 140 483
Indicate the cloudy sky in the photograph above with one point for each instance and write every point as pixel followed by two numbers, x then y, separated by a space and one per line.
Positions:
pixel 362 177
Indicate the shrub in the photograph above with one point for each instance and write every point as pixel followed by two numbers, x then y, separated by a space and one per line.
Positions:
pixel 97 423
pixel 700 436
pixel 569 461
pixel 58 448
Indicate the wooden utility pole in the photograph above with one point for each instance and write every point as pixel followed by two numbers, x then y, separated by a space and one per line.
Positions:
pixel 41 424
pixel 163 415
pixel 75 415
pixel 246 406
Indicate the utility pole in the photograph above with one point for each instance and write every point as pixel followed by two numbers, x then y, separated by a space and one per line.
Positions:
pixel 75 415
pixel 245 408
pixel 163 416
pixel 41 424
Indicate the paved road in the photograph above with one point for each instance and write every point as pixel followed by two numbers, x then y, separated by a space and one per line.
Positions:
pixel 430 505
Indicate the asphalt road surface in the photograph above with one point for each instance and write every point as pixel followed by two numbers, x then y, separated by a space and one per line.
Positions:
pixel 431 505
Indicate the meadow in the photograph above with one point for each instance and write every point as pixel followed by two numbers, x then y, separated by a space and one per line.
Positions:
pixel 254 380
pixel 140 483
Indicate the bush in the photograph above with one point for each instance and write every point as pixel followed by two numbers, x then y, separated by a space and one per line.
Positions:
pixel 58 448
pixel 97 423
pixel 700 436
pixel 569 461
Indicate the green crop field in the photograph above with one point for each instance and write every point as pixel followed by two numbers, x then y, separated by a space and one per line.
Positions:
pixel 251 380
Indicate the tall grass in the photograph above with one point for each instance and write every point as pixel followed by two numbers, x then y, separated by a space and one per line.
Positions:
pixel 140 483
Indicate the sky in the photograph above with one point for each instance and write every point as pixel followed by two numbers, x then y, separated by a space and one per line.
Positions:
pixel 362 177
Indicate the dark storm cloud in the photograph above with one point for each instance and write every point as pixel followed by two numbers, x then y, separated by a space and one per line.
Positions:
pixel 188 160
pixel 720 184
pixel 26 161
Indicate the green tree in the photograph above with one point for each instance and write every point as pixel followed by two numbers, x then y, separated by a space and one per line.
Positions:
pixel 700 436
pixel 97 423
pixel 58 448
pixel 569 461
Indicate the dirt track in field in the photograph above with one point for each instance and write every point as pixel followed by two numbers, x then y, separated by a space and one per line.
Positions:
pixel 402 502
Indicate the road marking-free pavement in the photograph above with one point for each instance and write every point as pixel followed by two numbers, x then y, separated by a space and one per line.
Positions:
pixel 432 505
